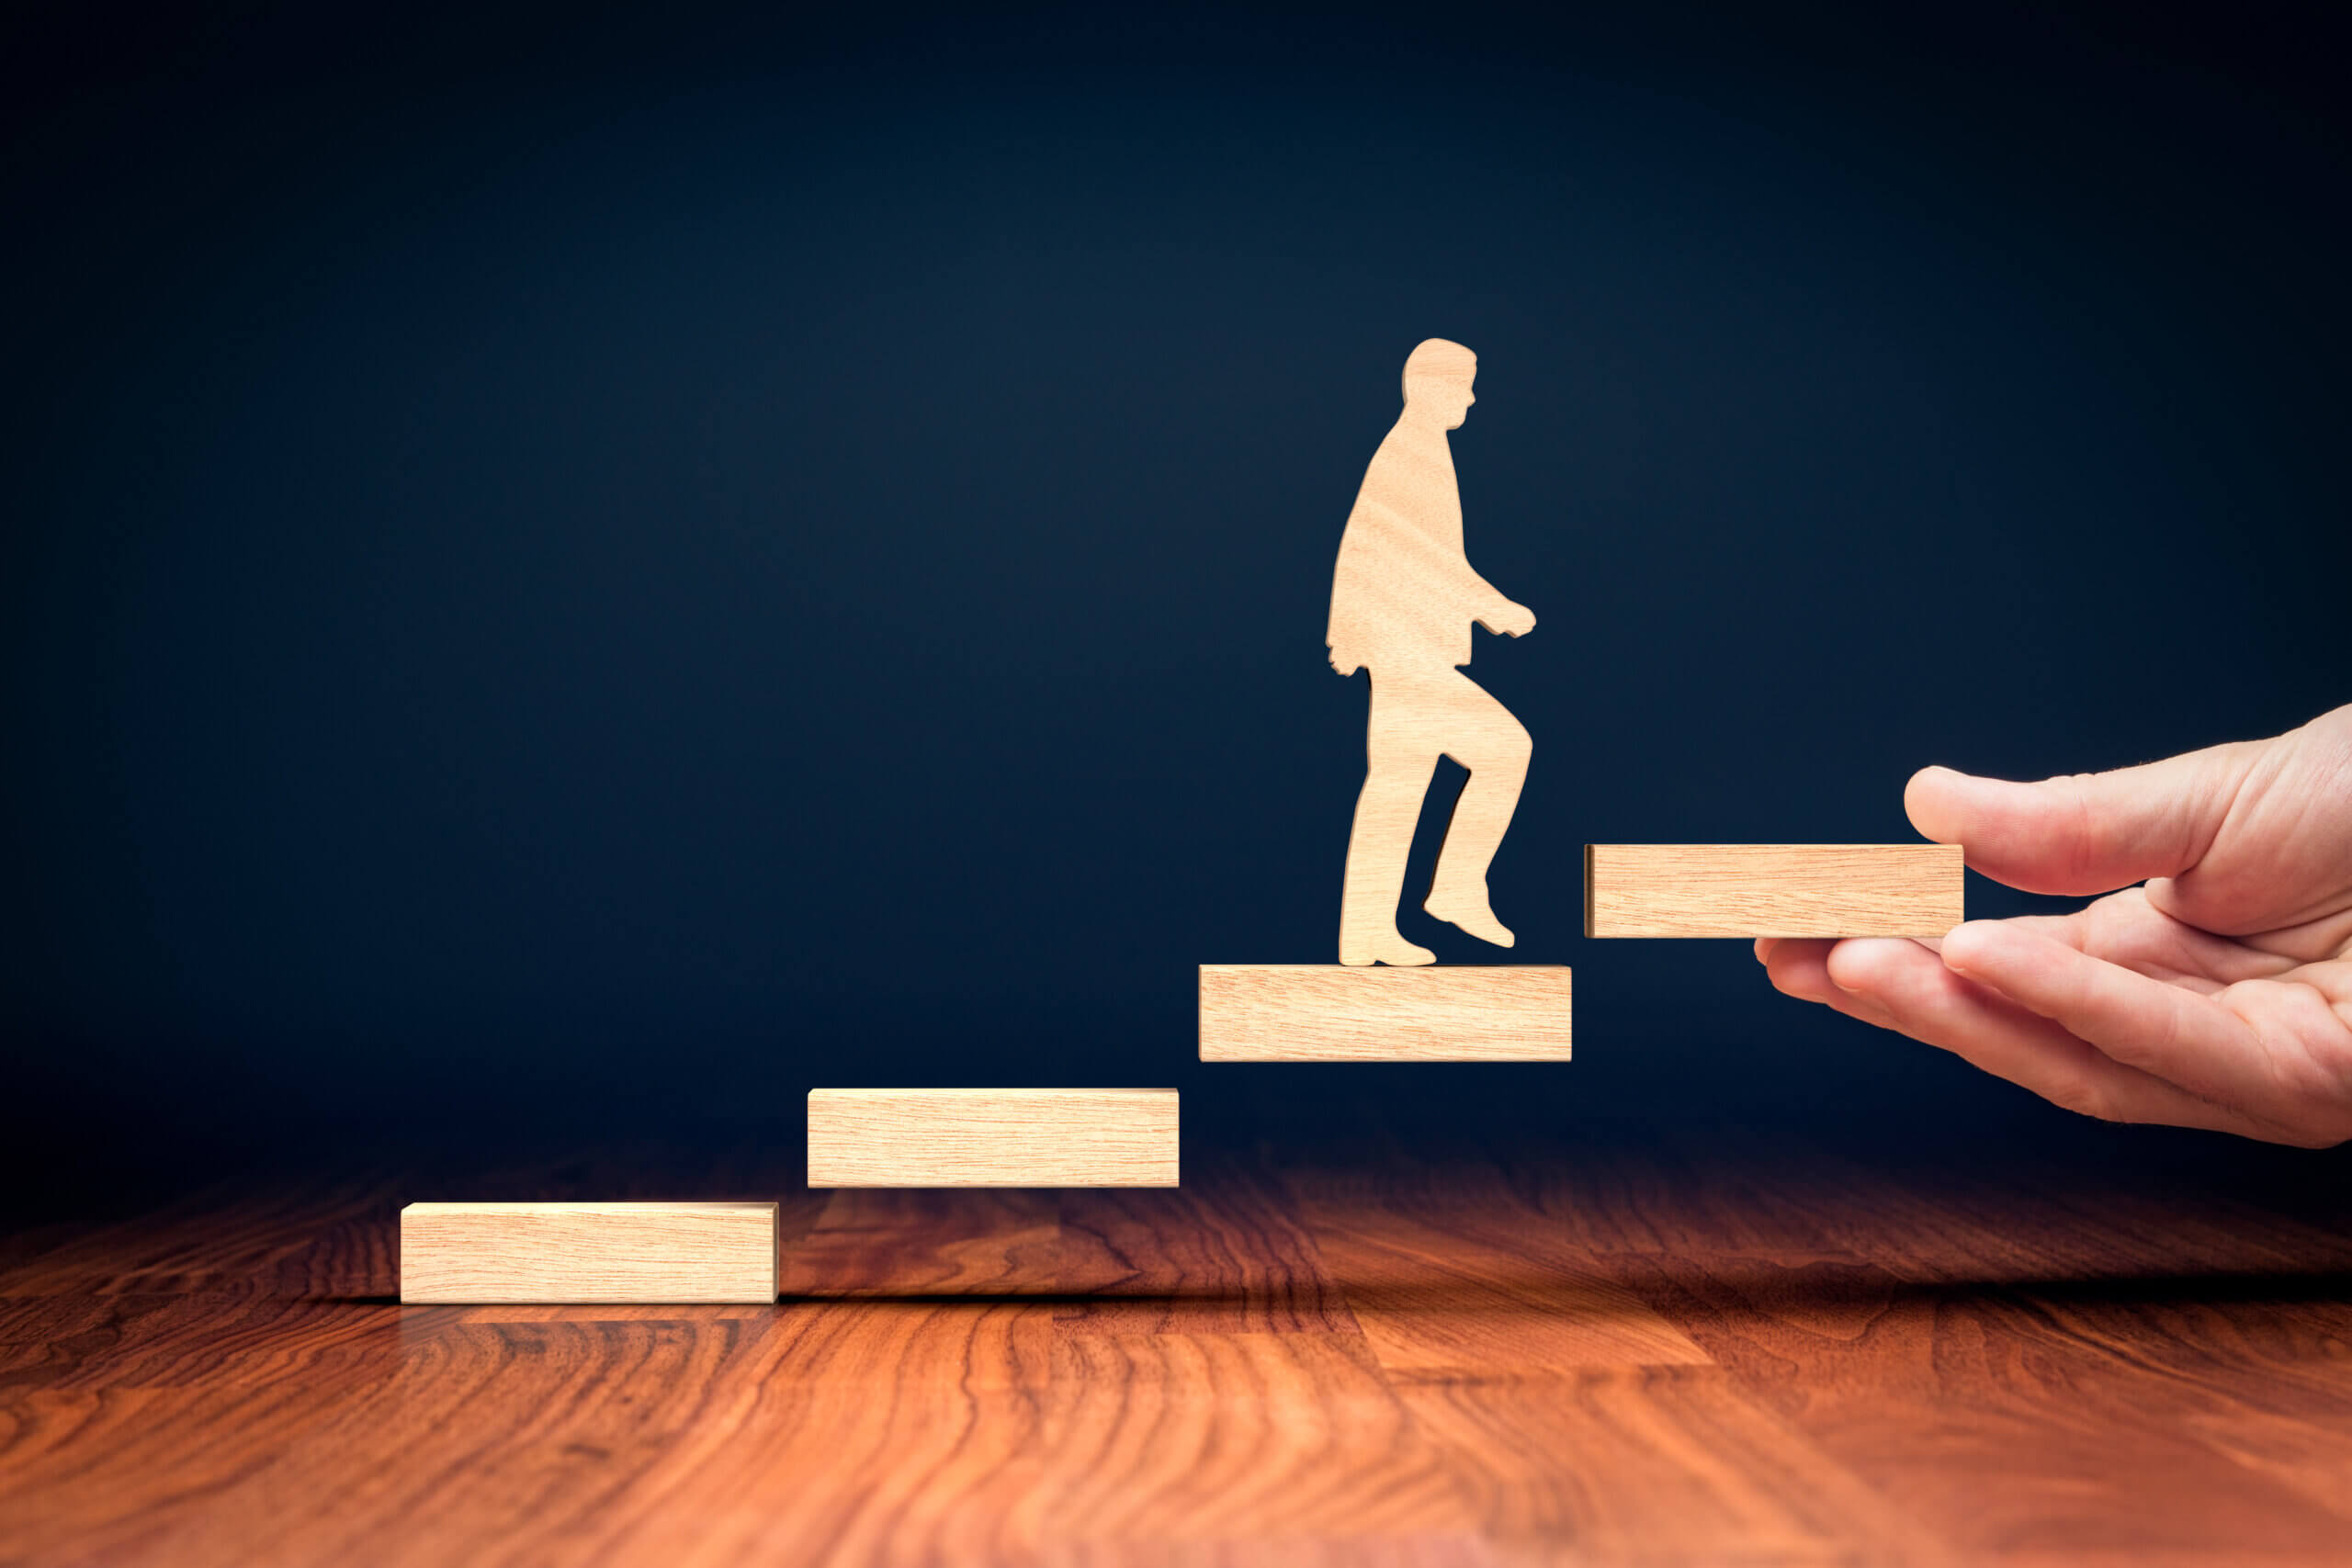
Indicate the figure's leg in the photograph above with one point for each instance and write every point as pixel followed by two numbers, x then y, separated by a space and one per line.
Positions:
pixel 1484 738
pixel 1396 775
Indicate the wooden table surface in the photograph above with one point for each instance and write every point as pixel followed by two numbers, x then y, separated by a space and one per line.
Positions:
pixel 1686 1346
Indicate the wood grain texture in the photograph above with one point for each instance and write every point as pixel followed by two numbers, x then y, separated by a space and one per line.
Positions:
pixel 929 1242
pixel 1403 600
pixel 1696 1347
pixel 992 1137
pixel 1790 890
pixel 1321 1012
pixel 588 1252
pixel 1230 1253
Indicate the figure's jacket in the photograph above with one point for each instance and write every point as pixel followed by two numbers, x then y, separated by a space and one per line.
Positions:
pixel 1403 595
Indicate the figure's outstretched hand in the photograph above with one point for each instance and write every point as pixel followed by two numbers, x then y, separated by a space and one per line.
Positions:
pixel 1505 618
pixel 2217 995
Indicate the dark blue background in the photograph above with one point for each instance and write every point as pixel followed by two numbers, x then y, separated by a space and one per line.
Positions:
pixel 589 569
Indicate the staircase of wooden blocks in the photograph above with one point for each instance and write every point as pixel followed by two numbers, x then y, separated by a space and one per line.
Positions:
pixel 689 1252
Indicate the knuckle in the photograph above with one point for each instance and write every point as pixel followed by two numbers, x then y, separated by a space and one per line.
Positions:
pixel 2083 827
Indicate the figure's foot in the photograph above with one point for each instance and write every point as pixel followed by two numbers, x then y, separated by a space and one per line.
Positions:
pixel 1387 947
pixel 1470 911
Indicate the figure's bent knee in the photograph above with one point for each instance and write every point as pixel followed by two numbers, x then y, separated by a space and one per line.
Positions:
pixel 1506 746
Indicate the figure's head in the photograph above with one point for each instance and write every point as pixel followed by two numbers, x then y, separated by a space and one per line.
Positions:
pixel 1437 382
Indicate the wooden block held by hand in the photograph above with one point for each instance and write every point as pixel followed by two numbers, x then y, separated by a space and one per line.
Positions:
pixel 992 1137
pixel 1789 890
pixel 588 1252
pixel 1326 1012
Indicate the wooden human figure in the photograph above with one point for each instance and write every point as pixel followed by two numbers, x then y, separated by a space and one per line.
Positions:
pixel 1402 601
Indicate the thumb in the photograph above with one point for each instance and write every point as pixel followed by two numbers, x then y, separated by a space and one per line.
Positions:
pixel 2086 832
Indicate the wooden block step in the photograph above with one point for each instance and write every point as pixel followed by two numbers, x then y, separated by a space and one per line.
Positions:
pixel 992 1137
pixel 1331 1012
pixel 1751 890
pixel 588 1252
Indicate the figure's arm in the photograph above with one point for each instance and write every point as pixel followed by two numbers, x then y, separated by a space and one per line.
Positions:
pixel 1485 604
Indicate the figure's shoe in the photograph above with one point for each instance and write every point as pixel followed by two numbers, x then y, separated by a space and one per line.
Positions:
pixel 1386 947
pixel 1472 912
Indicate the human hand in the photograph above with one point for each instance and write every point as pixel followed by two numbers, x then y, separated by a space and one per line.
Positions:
pixel 2217 995
pixel 1506 619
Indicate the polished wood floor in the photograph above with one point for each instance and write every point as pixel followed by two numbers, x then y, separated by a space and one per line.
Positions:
pixel 1692 1347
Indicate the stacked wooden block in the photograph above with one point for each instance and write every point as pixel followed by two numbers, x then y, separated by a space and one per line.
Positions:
pixel 727 1252
pixel 1127 1137
pixel 1309 1012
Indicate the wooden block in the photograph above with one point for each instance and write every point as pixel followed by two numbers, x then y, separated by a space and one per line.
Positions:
pixel 1323 1012
pixel 1751 890
pixel 992 1137
pixel 588 1252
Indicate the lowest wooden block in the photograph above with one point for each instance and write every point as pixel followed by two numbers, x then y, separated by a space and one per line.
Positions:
pixel 588 1252
pixel 992 1137
pixel 1331 1012
pixel 1751 890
